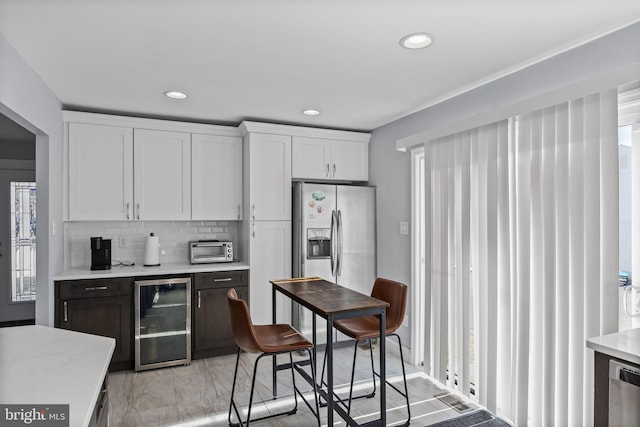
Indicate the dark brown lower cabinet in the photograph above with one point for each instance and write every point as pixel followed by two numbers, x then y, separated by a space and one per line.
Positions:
pixel 211 326
pixel 99 307
pixel 601 390
pixel 105 307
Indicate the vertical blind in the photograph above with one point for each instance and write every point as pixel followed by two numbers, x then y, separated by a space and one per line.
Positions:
pixel 521 258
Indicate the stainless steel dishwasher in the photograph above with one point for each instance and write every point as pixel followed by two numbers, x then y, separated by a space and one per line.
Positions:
pixel 163 323
pixel 624 394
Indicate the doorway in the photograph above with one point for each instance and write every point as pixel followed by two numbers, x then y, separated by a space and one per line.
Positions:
pixel 629 205
pixel 629 130
pixel 17 224
pixel 420 329
pixel 17 245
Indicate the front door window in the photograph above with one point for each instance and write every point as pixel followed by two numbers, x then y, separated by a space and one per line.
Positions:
pixel 23 241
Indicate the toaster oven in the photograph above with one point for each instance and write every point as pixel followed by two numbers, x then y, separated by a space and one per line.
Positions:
pixel 208 251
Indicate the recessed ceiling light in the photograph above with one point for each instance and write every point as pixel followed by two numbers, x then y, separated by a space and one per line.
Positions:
pixel 311 112
pixel 416 40
pixel 175 94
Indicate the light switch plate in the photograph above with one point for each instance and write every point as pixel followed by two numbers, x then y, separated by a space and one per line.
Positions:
pixel 404 227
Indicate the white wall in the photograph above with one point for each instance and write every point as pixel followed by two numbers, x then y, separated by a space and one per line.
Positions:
pixel 25 99
pixel 390 169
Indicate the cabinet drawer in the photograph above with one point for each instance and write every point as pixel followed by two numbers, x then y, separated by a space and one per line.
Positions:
pixel 91 288
pixel 220 279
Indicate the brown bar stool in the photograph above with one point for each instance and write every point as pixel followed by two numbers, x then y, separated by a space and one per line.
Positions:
pixel 368 328
pixel 268 340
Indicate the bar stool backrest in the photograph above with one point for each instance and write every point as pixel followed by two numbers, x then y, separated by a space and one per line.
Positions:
pixel 241 324
pixel 395 294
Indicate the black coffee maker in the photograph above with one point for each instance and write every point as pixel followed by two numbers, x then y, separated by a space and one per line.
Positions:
pixel 100 253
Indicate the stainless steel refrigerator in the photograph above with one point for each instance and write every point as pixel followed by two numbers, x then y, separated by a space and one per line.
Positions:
pixel 334 237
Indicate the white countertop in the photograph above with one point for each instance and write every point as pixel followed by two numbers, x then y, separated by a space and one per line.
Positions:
pixel 140 270
pixel 42 365
pixel 624 345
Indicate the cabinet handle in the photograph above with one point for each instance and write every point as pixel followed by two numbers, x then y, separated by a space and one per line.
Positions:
pixel 128 216
pixel 253 233
pixel 97 288
pixel 199 299
pixel 253 211
pixel 66 317
pixel 239 210
pixel 138 214
pixel 334 170
pixel 226 279
pixel 327 172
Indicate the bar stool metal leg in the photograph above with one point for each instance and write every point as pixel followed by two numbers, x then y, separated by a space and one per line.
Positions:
pixel 315 411
pixel 353 372
pixel 405 394
pixel 404 376
pixel 233 407
pixel 232 403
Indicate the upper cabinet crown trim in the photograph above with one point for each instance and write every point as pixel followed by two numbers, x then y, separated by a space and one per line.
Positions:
pixel 150 124
pixel 259 127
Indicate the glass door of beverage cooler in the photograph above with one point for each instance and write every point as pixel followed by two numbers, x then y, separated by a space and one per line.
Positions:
pixel 163 323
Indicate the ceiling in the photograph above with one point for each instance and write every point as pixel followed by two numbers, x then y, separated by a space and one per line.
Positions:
pixel 269 60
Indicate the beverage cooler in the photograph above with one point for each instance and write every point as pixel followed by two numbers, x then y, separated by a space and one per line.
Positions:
pixel 162 322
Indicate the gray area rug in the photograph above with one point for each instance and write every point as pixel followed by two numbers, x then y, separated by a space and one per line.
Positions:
pixel 479 418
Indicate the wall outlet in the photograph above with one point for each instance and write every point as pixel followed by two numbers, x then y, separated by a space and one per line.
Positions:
pixel 122 242
pixel 404 227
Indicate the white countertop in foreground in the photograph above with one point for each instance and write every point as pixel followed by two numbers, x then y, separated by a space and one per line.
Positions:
pixel 140 270
pixel 623 345
pixel 42 365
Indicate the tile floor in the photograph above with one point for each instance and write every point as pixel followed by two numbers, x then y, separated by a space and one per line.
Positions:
pixel 198 394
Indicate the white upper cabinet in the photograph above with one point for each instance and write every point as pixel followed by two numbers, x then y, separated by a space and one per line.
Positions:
pixel 269 162
pixel 127 168
pixel 349 161
pixel 329 159
pixel 100 172
pixel 162 175
pixel 310 158
pixel 216 177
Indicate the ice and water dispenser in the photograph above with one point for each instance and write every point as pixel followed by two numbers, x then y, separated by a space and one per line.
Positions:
pixel 318 243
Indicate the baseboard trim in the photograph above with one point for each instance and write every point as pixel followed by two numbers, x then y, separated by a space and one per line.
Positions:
pixel 22 322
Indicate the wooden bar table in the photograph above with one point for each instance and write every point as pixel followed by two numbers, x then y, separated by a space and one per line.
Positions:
pixel 333 302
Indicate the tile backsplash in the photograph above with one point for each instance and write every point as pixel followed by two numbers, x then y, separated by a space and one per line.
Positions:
pixel 174 238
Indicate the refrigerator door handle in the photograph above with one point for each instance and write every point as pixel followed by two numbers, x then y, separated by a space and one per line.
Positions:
pixel 339 227
pixel 333 248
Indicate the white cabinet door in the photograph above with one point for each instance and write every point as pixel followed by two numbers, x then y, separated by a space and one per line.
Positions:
pixel 216 177
pixel 349 161
pixel 162 175
pixel 100 172
pixel 329 159
pixel 270 259
pixel 270 177
pixel 310 158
